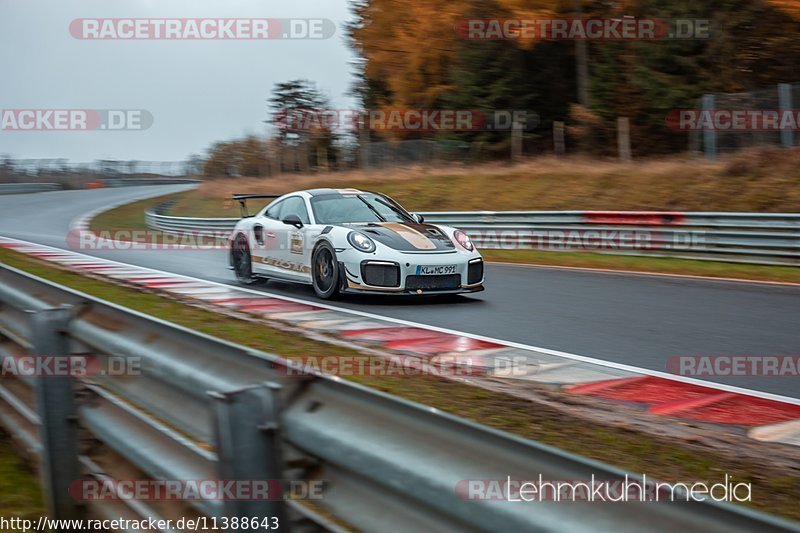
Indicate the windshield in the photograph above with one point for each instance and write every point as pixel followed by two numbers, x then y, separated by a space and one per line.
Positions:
pixel 364 207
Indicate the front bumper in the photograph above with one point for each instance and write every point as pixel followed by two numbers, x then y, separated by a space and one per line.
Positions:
pixel 365 289
pixel 403 276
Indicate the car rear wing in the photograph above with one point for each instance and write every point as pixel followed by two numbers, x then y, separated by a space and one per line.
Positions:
pixel 242 199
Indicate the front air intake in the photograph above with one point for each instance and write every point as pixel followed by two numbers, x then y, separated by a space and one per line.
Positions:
pixel 381 274
pixel 475 273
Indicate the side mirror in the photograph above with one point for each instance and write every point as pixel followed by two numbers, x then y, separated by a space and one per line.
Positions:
pixel 419 218
pixel 293 220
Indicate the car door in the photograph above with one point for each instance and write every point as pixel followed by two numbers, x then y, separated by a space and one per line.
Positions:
pixel 293 250
pixel 264 241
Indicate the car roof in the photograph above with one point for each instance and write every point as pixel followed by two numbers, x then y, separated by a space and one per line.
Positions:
pixel 311 193
pixel 324 191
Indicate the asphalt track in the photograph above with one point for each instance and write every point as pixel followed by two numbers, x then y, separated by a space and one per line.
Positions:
pixel 633 319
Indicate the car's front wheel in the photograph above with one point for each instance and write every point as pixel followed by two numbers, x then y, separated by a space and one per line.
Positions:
pixel 325 272
pixel 241 260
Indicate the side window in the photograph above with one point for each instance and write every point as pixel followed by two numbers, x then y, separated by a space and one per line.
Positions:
pixel 274 210
pixel 295 206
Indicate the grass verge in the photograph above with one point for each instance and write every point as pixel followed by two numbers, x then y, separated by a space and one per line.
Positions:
pixel 775 491
pixel 129 216
pixel 20 495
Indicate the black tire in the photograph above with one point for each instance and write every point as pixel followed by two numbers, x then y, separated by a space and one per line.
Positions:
pixel 325 272
pixel 241 260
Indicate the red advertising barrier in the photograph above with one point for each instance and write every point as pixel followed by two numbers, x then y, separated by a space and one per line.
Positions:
pixel 654 218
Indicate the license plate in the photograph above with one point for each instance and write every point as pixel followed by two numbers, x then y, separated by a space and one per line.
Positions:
pixel 433 270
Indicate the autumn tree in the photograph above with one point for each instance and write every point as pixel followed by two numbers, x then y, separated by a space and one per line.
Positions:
pixel 240 157
pixel 418 60
pixel 298 110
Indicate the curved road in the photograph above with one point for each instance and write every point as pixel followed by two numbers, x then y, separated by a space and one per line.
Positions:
pixel 633 319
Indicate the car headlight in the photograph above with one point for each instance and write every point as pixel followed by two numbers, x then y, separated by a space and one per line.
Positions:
pixel 464 240
pixel 361 242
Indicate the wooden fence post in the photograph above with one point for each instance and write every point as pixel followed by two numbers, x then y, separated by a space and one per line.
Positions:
pixel 624 139
pixel 558 137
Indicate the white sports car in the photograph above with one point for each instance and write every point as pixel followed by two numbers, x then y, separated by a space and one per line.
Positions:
pixel 346 240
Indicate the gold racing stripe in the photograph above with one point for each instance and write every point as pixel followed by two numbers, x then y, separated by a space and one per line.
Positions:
pixel 410 235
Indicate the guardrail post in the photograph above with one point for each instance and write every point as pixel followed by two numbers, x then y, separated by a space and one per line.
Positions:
pixel 516 140
pixel 55 404
pixel 558 137
pixel 624 139
pixel 248 447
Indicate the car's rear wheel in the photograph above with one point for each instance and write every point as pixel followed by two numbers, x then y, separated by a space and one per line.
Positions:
pixel 241 259
pixel 325 272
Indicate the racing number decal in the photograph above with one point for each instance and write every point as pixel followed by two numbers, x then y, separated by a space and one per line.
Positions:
pixel 296 242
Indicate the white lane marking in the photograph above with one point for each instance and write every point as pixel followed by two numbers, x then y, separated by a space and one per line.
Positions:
pixel 522 346
pixel 646 273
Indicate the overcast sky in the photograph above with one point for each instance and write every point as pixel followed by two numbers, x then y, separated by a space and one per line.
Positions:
pixel 197 91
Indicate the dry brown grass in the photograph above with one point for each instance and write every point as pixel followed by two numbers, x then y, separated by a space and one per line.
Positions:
pixel 759 180
pixel 221 187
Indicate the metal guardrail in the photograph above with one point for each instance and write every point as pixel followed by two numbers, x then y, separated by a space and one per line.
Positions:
pixel 24 188
pixel 763 238
pixel 136 182
pixel 204 408
pixel 156 219
pixel 27 188
pixel 98 168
